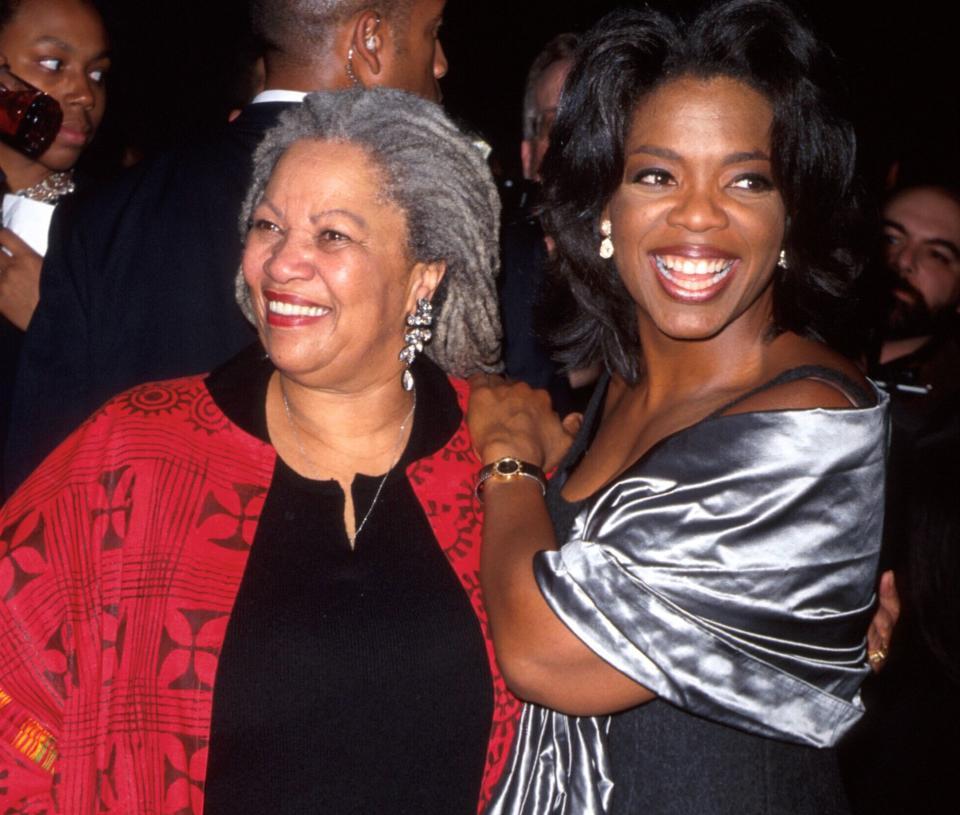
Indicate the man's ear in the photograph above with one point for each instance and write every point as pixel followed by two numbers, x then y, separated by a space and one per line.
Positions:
pixel 367 43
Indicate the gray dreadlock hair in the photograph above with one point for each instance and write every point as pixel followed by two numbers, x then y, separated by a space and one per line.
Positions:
pixel 301 28
pixel 439 178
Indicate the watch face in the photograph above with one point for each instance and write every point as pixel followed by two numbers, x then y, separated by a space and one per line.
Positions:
pixel 508 467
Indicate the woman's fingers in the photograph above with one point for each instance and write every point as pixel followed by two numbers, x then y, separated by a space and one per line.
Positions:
pixel 884 619
pixel 513 419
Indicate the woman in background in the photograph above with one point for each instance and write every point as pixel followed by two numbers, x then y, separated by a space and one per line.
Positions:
pixel 60 47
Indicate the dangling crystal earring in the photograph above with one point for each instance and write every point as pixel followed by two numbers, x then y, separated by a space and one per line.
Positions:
pixel 606 245
pixel 351 75
pixel 782 260
pixel 418 333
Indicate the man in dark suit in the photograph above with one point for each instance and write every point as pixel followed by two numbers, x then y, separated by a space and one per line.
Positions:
pixel 138 283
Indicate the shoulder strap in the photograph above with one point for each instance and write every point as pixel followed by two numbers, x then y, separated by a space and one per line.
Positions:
pixel 857 395
pixel 563 513
pixel 591 423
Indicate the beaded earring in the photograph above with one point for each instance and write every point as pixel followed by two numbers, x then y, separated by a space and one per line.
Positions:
pixel 417 334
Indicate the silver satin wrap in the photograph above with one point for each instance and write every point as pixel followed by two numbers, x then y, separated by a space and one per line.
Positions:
pixel 730 571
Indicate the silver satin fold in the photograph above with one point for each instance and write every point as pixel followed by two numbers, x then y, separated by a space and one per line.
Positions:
pixel 731 571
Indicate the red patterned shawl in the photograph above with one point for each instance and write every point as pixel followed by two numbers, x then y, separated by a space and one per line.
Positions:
pixel 120 560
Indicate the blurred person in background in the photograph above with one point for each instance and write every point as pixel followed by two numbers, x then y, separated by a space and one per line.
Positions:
pixel 541 99
pixel 527 306
pixel 61 48
pixel 913 706
pixel 918 359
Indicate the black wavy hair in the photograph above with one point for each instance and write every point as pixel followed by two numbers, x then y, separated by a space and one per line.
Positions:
pixel 630 53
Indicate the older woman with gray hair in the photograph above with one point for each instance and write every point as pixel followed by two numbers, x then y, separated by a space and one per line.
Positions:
pixel 256 591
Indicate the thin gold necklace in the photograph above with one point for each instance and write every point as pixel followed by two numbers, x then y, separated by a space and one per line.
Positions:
pixel 313 466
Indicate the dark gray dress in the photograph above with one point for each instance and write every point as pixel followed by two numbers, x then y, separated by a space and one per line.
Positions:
pixel 731 571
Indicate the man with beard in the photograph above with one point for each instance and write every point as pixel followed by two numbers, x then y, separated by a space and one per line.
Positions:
pixel 919 354
pixel 919 358
pixel 914 704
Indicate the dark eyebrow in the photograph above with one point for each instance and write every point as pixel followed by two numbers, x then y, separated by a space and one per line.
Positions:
pixel 65 46
pixel 48 40
pixel 660 152
pixel 748 155
pixel 733 158
pixel 943 243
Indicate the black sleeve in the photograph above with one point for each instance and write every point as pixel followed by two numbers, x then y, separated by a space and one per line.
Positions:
pixel 48 394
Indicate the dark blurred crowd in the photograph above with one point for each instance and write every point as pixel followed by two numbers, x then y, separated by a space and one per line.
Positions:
pixel 123 272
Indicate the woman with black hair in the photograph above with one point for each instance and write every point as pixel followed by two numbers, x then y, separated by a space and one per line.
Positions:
pixel 704 564
pixel 61 48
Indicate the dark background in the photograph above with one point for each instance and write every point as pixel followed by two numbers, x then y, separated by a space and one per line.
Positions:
pixel 179 66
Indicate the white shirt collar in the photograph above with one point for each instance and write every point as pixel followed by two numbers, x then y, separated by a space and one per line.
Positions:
pixel 278 96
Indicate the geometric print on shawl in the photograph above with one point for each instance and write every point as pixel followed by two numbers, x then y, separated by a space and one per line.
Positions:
pixel 127 547
pixel 457 519
pixel 124 554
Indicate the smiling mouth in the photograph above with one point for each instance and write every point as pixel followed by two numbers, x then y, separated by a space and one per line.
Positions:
pixel 693 277
pixel 295 310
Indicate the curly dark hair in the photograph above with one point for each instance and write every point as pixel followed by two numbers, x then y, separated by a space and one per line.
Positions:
pixel 630 53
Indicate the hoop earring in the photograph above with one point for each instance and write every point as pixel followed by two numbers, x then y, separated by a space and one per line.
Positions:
pixel 606 245
pixel 782 260
pixel 417 334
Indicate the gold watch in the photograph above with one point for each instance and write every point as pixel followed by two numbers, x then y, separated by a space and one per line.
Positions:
pixel 510 469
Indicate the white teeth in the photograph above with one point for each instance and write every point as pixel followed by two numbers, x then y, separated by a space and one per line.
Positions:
pixel 688 266
pixel 292 310
pixel 710 272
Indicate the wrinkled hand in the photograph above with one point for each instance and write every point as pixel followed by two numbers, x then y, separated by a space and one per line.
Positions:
pixel 513 419
pixel 19 279
pixel 884 619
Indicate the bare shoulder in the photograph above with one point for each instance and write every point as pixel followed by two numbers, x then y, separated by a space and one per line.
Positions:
pixel 810 391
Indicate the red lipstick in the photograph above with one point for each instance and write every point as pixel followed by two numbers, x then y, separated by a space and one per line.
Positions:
pixel 285 310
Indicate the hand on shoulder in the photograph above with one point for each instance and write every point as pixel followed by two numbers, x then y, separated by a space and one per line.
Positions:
pixel 512 419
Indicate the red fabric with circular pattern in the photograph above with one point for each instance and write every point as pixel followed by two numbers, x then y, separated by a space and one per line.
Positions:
pixel 120 559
